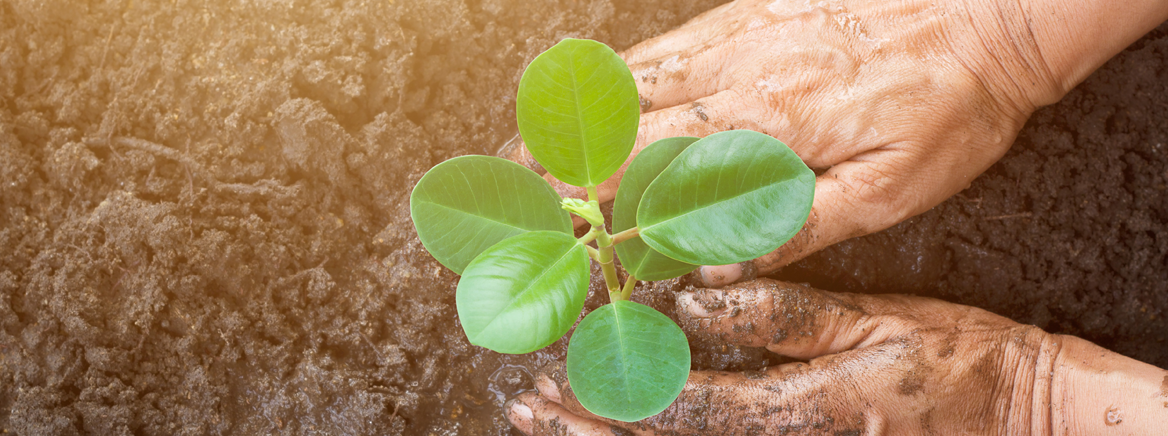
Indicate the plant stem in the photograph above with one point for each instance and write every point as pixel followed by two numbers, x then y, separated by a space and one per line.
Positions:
pixel 627 291
pixel 626 235
pixel 593 253
pixel 604 247
pixel 604 244
pixel 592 194
pixel 588 237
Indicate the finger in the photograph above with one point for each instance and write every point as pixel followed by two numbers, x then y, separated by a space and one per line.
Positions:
pixel 700 118
pixel 681 77
pixel 516 151
pixel 693 33
pixel 777 400
pixel 873 191
pixel 534 415
pixel 792 320
pixel 552 384
pixel 804 323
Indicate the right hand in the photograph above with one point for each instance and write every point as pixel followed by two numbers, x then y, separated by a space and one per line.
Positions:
pixel 877 364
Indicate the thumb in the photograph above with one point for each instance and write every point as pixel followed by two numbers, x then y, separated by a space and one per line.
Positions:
pixel 798 321
pixel 516 151
pixel 853 198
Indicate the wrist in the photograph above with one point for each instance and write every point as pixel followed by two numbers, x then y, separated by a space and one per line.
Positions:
pixel 1032 52
pixel 1075 37
pixel 1094 391
pixel 998 45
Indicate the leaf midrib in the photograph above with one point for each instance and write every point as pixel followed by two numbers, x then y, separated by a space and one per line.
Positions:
pixel 530 285
pixel 579 116
pixel 623 354
pixel 478 216
pixel 708 205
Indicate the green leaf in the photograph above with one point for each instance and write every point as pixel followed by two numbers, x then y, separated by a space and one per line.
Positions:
pixel 578 111
pixel 523 293
pixel 467 204
pixel 638 258
pixel 730 197
pixel 627 361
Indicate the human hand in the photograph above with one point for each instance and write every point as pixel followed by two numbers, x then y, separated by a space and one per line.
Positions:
pixel 902 103
pixel 884 364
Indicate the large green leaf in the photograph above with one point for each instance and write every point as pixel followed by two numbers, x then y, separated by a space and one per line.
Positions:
pixel 578 111
pixel 627 361
pixel 640 260
pixel 730 197
pixel 467 204
pixel 523 293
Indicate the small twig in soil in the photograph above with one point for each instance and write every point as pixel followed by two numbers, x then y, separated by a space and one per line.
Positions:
pixel 190 179
pixel 105 51
pixel 976 201
pixel 396 405
pixel 376 352
pixel 1006 217
pixel 85 252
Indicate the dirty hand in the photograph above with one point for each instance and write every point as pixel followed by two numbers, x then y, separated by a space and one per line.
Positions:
pixel 892 364
pixel 902 103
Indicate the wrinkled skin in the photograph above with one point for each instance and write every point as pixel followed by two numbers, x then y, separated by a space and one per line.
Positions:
pixel 902 103
pixel 877 365
pixel 899 104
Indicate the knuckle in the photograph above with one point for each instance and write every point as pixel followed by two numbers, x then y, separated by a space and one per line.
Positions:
pixel 884 195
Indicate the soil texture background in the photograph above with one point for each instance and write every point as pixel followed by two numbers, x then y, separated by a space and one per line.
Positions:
pixel 205 230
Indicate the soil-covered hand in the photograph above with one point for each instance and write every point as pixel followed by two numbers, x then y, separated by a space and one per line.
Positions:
pixel 901 104
pixel 892 365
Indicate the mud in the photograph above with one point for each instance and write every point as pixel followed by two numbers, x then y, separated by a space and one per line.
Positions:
pixel 203 214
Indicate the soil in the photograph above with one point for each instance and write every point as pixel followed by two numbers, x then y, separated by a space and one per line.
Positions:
pixel 205 227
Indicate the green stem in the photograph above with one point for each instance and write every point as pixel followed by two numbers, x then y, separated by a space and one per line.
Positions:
pixel 592 194
pixel 604 247
pixel 606 263
pixel 588 237
pixel 593 253
pixel 603 239
pixel 627 291
pixel 626 235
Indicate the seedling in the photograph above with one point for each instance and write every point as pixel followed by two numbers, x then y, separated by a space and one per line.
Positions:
pixel 683 202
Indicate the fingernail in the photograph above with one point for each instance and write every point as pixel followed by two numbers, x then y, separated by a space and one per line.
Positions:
pixel 548 388
pixel 520 415
pixel 701 309
pixel 721 275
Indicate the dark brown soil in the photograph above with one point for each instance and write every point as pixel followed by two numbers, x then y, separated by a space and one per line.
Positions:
pixel 204 222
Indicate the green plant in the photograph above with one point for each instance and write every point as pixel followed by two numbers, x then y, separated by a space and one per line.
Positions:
pixel 682 202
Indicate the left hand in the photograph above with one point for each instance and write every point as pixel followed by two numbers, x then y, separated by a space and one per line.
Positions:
pixel 889 364
pixel 901 104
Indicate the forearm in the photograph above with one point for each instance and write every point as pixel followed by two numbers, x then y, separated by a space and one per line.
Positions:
pixel 1098 392
pixel 1075 37
pixel 1030 53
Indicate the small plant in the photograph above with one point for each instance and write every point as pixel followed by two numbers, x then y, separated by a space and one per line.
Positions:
pixel 683 202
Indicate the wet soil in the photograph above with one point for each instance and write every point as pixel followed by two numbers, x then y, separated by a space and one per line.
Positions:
pixel 205 230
